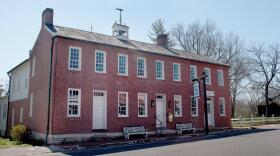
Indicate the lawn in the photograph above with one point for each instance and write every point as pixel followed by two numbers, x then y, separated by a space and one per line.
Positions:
pixel 6 143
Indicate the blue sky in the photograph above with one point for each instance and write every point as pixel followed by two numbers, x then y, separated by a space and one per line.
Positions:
pixel 254 21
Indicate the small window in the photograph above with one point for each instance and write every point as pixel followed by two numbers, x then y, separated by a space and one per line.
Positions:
pixel 159 70
pixel 141 67
pixel 220 75
pixel 74 102
pixel 222 106
pixel 123 104
pixel 193 72
pixel 194 106
pixel 21 115
pixel 177 105
pixel 75 55
pixel 142 105
pixel 176 72
pixel 100 61
pixel 33 66
pixel 123 64
pixel 208 73
pixel 31 105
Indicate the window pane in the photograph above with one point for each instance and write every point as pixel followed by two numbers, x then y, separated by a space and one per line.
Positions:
pixel 99 64
pixel 177 106
pixel 194 106
pixel 141 67
pixel 142 105
pixel 192 72
pixel 122 104
pixel 122 64
pixel 74 58
pixel 176 72
pixel 159 68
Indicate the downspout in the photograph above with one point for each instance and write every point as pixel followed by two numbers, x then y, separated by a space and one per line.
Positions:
pixel 7 115
pixel 49 97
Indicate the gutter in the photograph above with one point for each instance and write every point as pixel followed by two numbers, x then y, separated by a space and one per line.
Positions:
pixel 7 115
pixel 49 96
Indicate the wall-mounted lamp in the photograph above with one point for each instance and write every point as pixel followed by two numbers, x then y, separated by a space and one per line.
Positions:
pixel 152 103
pixel 169 103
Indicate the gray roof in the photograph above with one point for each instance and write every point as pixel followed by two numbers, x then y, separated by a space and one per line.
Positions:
pixel 130 44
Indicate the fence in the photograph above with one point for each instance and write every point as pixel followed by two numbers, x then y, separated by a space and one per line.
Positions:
pixel 254 121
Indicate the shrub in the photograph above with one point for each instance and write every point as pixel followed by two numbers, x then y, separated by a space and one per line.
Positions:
pixel 19 133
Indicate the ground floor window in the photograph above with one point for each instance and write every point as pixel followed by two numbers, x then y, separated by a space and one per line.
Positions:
pixel 142 105
pixel 123 104
pixel 74 102
pixel 222 106
pixel 194 106
pixel 177 105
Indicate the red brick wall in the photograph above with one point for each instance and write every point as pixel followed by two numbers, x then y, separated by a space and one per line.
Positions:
pixel 87 80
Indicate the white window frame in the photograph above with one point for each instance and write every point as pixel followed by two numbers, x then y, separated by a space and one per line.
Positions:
pixel 104 61
pixel 126 115
pixel 222 78
pixel 209 75
pixel 162 62
pixel 146 104
pixel 179 72
pixel 176 97
pixel 21 115
pixel 80 58
pixel 222 102
pixel 31 105
pixel 195 71
pixel 79 102
pixel 196 103
pixel 33 66
pixel 126 64
pixel 145 67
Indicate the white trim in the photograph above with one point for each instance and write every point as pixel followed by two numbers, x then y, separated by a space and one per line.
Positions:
pixel 52 33
pixel 180 104
pixel 196 103
pixel 105 96
pixel 222 83
pixel 222 99
pixel 126 64
pixel 162 62
pixel 104 61
pixel 80 58
pixel 195 71
pixel 179 71
pixel 126 104
pixel 21 115
pixel 210 93
pixel 146 104
pixel 31 104
pixel 209 75
pixel 145 67
pixel 79 102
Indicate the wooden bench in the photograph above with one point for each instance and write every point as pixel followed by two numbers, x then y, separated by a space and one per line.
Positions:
pixel 134 130
pixel 184 127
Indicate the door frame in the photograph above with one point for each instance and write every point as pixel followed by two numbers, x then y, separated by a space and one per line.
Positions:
pixel 164 102
pixel 105 114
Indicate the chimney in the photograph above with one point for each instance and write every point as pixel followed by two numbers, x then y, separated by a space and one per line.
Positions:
pixel 162 40
pixel 47 16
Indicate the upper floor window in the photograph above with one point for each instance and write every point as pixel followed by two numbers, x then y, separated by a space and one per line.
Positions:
pixel 220 76
pixel 159 70
pixel 194 106
pixel 176 72
pixel 141 67
pixel 142 105
pixel 193 72
pixel 33 66
pixel 74 102
pixel 123 64
pixel 123 104
pixel 208 73
pixel 222 106
pixel 100 61
pixel 177 105
pixel 75 55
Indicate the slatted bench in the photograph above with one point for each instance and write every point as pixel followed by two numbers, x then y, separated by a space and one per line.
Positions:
pixel 134 130
pixel 184 127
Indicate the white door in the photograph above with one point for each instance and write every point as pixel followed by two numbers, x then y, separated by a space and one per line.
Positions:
pixel 160 111
pixel 210 112
pixel 99 107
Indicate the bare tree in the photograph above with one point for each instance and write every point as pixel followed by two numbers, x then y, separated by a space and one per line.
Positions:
pixel 267 67
pixel 255 97
pixel 158 28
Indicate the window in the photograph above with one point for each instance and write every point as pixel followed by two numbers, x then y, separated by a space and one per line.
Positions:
pixel 74 102
pixel 222 106
pixel 31 105
pixel 193 72
pixel 21 115
pixel 176 72
pixel 100 61
pixel 123 66
pixel 33 66
pixel 159 70
pixel 177 105
pixel 208 73
pixel 220 75
pixel 75 55
pixel 194 106
pixel 123 104
pixel 141 67
pixel 142 105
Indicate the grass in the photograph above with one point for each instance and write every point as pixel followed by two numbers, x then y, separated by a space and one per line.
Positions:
pixel 7 143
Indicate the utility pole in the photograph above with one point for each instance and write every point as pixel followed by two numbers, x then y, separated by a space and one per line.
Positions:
pixel 203 78
pixel 120 14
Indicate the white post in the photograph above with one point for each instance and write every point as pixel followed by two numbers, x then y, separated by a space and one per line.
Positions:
pixel 263 118
pixel 273 118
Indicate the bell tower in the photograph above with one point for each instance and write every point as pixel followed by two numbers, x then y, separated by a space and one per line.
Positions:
pixel 120 31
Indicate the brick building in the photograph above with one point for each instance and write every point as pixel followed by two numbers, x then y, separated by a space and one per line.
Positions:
pixel 81 84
